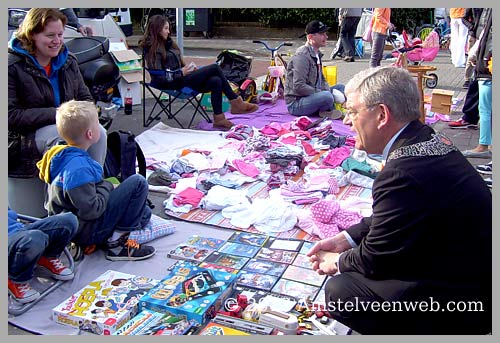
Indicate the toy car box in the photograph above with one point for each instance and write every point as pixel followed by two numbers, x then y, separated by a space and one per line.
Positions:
pixel 191 291
pixel 105 304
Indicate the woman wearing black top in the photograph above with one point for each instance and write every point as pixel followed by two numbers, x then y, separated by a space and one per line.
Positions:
pixel 162 53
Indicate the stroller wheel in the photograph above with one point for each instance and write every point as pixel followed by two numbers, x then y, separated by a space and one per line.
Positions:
pixel 431 81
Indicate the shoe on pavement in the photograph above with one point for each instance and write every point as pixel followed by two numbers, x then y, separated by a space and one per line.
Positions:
pixel 55 268
pixel 349 59
pixel 130 251
pixel 118 242
pixel 333 114
pixel 489 182
pixel 475 154
pixel 461 124
pixel 23 292
pixel 485 168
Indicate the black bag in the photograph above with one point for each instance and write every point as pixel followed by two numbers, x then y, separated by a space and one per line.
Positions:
pixel 235 67
pixel 88 48
pixel 123 154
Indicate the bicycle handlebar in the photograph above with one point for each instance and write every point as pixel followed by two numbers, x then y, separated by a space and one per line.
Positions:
pixel 275 48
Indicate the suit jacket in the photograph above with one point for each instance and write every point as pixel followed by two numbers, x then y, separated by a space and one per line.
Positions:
pixel 432 217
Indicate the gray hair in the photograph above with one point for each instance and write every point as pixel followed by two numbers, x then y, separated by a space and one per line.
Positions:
pixel 394 87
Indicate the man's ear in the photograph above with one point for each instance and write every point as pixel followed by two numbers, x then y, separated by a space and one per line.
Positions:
pixel 384 116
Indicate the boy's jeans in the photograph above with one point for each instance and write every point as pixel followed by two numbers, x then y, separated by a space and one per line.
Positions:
pixel 126 210
pixel 48 237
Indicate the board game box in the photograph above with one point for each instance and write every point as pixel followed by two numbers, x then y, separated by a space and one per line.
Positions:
pixel 205 242
pixel 239 249
pixel 304 275
pixel 248 238
pixel 265 267
pixel 190 291
pixel 255 280
pixel 212 266
pixel 226 260
pixel 215 329
pixel 189 253
pixel 289 244
pixel 295 289
pixel 280 256
pixel 105 304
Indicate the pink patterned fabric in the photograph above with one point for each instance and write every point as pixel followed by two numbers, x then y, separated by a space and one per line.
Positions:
pixel 331 219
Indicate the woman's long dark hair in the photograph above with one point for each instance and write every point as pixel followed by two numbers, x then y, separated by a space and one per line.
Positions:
pixel 153 43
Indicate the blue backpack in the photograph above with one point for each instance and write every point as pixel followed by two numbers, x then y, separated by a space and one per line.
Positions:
pixel 123 155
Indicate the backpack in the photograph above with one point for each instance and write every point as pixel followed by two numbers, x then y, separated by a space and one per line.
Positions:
pixel 122 156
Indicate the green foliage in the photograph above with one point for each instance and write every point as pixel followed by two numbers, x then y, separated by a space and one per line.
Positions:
pixel 277 17
pixel 410 18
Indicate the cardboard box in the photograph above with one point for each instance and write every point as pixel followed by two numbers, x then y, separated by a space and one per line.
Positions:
pixel 189 291
pixel 441 101
pixel 206 102
pixel 105 304
pixel 130 67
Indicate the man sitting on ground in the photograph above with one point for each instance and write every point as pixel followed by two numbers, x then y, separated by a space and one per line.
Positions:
pixel 307 92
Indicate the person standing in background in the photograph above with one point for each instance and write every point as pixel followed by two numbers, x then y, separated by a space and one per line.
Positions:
pixel 75 22
pixel 458 37
pixel 349 19
pixel 381 22
pixel 472 21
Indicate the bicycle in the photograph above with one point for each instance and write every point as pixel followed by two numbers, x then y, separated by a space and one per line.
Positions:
pixel 274 83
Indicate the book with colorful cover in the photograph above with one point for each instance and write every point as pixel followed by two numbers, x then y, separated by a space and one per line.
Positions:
pixel 136 324
pixel 304 275
pixel 295 289
pixel 280 256
pixel 189 253
pixel 189 291
pixel 306 246
pixel 265 267
pixel 105 304
pixel 226 260
pixel 255 280
pixel 248 238
pixel 289 244
pixel 239 249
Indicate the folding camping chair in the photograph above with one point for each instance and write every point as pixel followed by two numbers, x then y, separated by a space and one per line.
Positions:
pixel 165 98
pixel 44 285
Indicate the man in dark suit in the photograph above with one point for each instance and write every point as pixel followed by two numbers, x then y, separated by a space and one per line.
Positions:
pixel 429 240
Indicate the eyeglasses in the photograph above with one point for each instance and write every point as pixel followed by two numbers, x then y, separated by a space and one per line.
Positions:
pixel 351 113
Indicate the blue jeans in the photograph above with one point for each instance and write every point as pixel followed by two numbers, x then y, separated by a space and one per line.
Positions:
pixel 485 109
pixel 48 237
pixel 312 104
pixel 126 209
pixel 378 45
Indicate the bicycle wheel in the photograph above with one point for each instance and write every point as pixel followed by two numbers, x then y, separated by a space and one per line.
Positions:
pixel 425 31
pixel 432 81
pixel 279 61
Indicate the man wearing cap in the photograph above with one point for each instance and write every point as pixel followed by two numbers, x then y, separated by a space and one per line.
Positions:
pixel 307 92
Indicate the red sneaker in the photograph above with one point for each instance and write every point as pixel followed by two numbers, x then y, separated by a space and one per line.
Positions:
pixel 23 292
pixel 461 124
pixel 56 268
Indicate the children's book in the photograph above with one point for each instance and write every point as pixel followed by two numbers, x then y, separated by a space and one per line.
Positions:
pixel 281 256
pixel 227 260
pixel 302 261
pixel 212 266
pixel 304 275
pixel 189 253
pixel 288 244
pixel 254 280
pixel 205 242
pixel 105 304
pixel 239 249
pixel 295 289
pixel 265 267
pixel 248 238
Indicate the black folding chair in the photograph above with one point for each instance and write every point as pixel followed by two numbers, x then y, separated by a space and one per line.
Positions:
pixel 165 98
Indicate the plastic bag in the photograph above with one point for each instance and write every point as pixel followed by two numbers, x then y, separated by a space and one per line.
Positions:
pixel 367 35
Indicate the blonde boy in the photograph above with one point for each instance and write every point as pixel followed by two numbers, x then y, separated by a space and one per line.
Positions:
pixel 76 185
